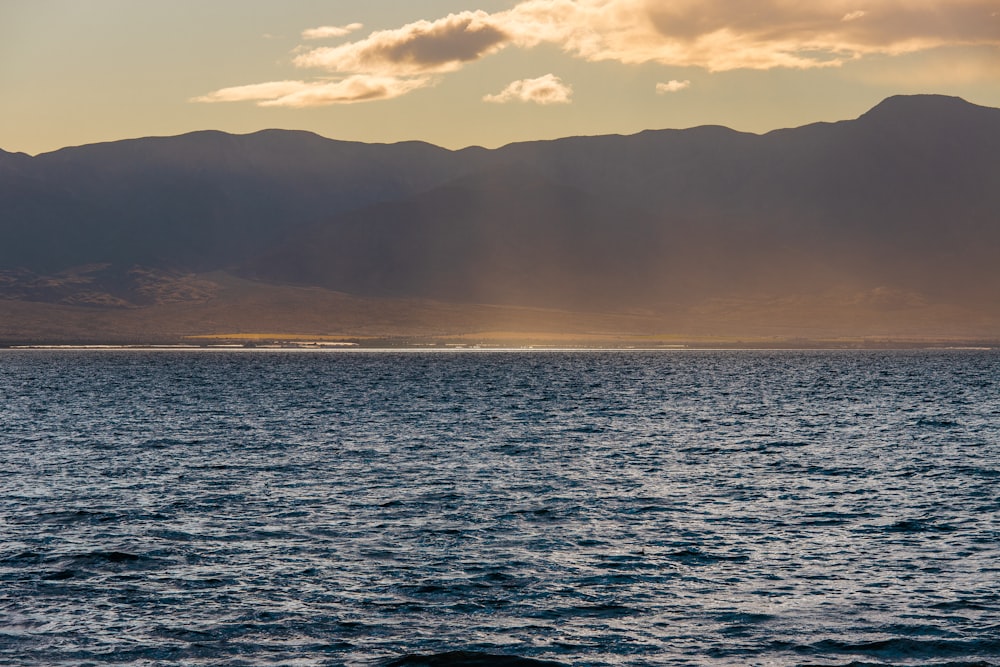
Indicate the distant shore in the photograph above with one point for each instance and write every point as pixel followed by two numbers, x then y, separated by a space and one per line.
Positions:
pixel 306 344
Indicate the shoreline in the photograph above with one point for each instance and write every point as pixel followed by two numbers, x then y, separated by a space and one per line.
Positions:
pixel 735 346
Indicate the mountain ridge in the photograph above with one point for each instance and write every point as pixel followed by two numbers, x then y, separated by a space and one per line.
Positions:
pixel 902 201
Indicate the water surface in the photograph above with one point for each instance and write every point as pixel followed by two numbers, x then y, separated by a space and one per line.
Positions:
pixel 592 508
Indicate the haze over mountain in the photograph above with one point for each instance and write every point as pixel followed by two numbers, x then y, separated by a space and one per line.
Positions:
pixel 888 224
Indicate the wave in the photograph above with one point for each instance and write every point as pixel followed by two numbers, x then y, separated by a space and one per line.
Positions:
pixel 469 659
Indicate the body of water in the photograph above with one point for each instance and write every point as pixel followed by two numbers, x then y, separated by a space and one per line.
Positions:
pixel 591 508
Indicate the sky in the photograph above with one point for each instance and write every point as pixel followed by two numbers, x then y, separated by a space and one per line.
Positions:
pixel 474 72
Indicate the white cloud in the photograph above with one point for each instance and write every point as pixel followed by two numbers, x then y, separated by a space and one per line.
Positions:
pixel 252 92
pixel 301 94
pixel 716 35
pixel 672 86
pixel 417 48
pixel 548 89
pixel 732 34
pixel 327 31
pixel 384 65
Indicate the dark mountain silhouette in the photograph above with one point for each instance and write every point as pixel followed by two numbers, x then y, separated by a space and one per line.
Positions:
pixel 201 200
pixel 907 196
pixel 898 210
pixel 505 235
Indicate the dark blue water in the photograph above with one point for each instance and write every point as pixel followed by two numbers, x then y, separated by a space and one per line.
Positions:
pixel 599 508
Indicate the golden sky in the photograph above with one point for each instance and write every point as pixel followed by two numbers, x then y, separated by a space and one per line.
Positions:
pixel 461 72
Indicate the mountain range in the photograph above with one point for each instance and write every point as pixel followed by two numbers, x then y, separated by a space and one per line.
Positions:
pixel 885 226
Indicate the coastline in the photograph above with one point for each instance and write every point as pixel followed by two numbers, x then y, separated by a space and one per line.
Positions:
pixel 404 345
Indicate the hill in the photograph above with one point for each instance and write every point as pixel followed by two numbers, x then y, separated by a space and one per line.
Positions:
pixel 886 225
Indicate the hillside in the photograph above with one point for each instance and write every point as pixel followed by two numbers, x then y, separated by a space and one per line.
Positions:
pixel 885 225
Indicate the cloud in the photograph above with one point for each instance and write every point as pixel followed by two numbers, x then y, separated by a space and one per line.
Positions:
pixel 256 91
pixel 417 48
pixel 672 86
pixel 715 35
pixel 327 31
pixel 720 35
pixel 384 65
pixel 301 94
pixel 548 89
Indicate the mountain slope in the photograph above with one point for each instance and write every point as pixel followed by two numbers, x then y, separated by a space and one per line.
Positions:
pixel 897 210
pixel 202 200
pixel 904 198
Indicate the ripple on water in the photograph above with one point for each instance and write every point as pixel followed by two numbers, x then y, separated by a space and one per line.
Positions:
pixel 717 508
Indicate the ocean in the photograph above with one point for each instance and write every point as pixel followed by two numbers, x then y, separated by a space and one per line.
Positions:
pixel 578 508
